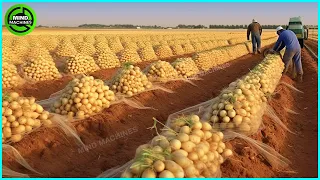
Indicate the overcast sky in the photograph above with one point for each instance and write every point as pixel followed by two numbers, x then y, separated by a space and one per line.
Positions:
pixel 170 14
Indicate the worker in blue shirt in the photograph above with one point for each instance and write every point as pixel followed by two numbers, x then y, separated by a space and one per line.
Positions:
pixel 288 39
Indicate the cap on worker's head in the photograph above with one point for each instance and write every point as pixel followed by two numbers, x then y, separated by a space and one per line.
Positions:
pixel 253 20
pixel 279 28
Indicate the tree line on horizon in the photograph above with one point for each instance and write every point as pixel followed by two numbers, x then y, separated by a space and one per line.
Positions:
pixel 180 26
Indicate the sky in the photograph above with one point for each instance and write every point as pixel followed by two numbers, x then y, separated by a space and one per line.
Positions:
pixel 170 14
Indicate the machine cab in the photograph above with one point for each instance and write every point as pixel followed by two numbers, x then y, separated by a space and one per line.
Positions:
pixel 295 25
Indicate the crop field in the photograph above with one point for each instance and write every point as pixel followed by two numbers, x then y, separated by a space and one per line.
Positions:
pixel 155 103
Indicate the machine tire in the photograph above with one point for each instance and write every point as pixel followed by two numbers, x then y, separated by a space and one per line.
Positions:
pixel 306 34
pixel 301 42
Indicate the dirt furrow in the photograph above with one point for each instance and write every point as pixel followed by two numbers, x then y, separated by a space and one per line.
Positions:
pixel 113 135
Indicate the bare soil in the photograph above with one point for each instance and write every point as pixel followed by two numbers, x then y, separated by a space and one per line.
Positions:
pixel 54 155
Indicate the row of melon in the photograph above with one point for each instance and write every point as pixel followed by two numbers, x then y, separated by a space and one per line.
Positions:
pixel 78 99
pixel 191 146
pixel 41 66
pixel 19 53
pixel 265 42
pixel 209 59
pixel 67 48
pixel 188 148
pixel 241 105
pixel 85 96
pixel 51 41
pixel 135 36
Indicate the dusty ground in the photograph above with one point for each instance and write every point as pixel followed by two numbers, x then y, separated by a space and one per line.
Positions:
pixel 313 45
pixel 297 148
pixel 51 153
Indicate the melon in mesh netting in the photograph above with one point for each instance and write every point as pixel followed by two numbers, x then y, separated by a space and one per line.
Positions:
pixel 65 49
pixel 240 106
pixel 76 39
pixel 39 52
pixel 102 47
pixel 85 48
pixel 19 53
pixel 187 148
pixel 129 55
pixel 40 69
pixel 237 51
pixel 161 71
pixel 107 59
pixel 163 51
pixel 100 38
pixel 115 45
pixel 130 80
pixel 7 41
pixel 81 64
pixel 10 76
pixel 89 39
pixel 210 45
pixel 188 48
pixel 21 115
pixel 197 47
pixel 35 43
pixel 82 97
pixel 204 60
pixel 49 42
pixel 185 67
pixel 177 49
pixel 205 46
pixel 147 54
pixel 130 45
pixel 141 44
pixel 9 56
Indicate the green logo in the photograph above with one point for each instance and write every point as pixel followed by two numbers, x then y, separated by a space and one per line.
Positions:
pixel 20 19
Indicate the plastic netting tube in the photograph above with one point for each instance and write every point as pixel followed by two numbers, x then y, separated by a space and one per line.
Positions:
pixel 291 111
pixel 63 123
pixel 172 156
pixel 60 122
pixel 156 86
pixel 6 172
pixel 275 159
pixel 18 158
pixel 116 171
pixel 272 114
pixel 291 87
pixel 30 80
pixel 187 80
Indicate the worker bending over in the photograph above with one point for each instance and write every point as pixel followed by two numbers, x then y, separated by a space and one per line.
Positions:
pixel 288 39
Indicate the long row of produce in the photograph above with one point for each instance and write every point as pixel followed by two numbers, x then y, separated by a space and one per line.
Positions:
pixel 85 96
pixel 192 142
pixel 79 101
pixel 37 58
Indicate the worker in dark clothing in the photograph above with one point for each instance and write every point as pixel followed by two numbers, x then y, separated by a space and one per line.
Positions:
pixel 256 30
pixel 288 39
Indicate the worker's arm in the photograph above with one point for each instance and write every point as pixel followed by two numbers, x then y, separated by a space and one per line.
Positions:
pixel 248 31
pixel 279 44
pixel 260 29
pixel 282 45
